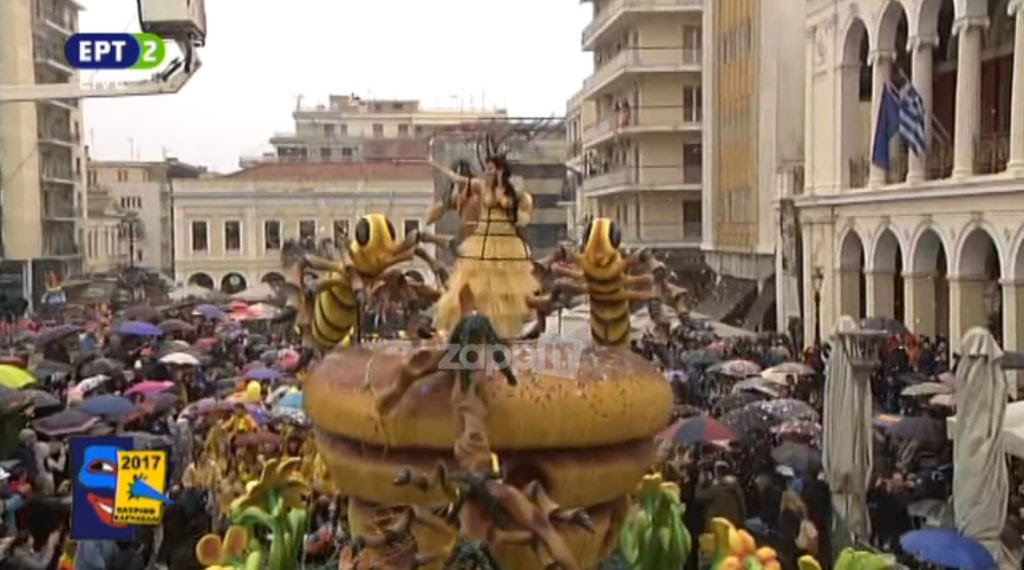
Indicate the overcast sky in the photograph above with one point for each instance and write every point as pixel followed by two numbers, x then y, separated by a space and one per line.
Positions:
pixel 260 54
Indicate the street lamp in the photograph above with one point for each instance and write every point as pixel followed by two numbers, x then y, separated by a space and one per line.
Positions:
pixel 817 277
pixel 130 227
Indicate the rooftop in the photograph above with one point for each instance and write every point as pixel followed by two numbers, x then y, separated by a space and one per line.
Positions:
pixel 324 171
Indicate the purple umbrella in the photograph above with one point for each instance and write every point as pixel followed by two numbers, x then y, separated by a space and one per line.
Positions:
pixel 262 373
pixel 68 422
pixel 52 334
pixel 107 406
pixel 138 328
pixel 209 311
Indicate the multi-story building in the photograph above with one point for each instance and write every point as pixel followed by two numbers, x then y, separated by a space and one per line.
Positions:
pixel 535 149
pixel 641 114
pixel 143 190
pixel 350 128
pixel 42 170
pixel 935 241
pixel 229 229
pixel 105 248
pixel 753 114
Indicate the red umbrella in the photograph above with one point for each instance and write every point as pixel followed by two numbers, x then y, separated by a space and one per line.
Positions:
pixel 700 429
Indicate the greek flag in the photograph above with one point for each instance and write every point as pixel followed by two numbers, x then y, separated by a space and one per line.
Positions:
pixel 901 112
pixel 912 114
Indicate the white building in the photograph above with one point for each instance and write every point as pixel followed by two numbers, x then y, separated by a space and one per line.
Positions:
pixel 934 241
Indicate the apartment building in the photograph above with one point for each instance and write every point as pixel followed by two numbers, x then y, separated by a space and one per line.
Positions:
pixel 141 192
pixel 753 103
pixel 640 117
pixel 933 240
pixel 349 128
pixel 535 149
pixel 228 230
pixel 42 170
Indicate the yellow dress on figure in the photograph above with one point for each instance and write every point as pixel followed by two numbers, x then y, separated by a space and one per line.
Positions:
pixel 494 262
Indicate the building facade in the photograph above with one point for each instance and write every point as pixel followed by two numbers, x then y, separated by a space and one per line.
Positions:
pixel 228 230
pixel 639 119
pixel 753 103
pixel 349 128
pixel 143 190
pixel 42 155
pixel 936 240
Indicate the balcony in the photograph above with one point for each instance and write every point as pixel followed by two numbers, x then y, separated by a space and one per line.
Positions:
pixel 52 56
pixel 54 21
pixel 647 178
pixel 612 12
pixel 662 235
pixel 641 60
pixel 58 137
pixel 57 176
pixel 60 211
pixel 938 164
pixel 991 153
pixel 644 119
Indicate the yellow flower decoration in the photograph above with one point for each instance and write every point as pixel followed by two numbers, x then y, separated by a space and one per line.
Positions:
pixel 280 477
pixel 222 554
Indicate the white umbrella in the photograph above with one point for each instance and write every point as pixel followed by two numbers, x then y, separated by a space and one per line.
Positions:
pixel 181 359
pixel 980 479
pixel 927 389
pixel 847 441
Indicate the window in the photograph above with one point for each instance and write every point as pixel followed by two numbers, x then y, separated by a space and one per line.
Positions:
pixel 329 131
pixel 346 152
pixel 92 178
pixel 233 235
pixel 272 235
pixel 411 226
pixel 78 167
pixel 343 129
pixel 307 230
pixel 397 106
pixel 378 130
pixel 325 152
pixel 200 241
pixel 403 130
pixel 420 130
pixel 340 232
pixel 692 103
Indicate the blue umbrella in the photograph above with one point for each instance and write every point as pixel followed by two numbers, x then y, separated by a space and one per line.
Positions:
pixel 209 311
pixel 262 373
pixel 139 328
pixel 947 548
pixel 107 406
pixel 291 400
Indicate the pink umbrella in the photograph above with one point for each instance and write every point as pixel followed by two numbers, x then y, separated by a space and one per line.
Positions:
pixel 288 359
pixel 149 387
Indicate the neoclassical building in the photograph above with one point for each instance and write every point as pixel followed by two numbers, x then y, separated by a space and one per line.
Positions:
pixel 936 241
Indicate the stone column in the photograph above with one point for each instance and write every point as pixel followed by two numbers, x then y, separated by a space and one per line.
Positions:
pixel 966 307
pixel 879 297
pixel 1013 315
pixel 919 300
pixel 922 49
pixel 881 69
pixel 848 281
pixel 1016 163
pixel 968 93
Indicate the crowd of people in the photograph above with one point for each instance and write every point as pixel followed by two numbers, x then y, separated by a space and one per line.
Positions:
pixel 217 386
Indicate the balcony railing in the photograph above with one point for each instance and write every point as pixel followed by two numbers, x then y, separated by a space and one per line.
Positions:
pixel 642 60
pixel 52 54
pixel 668 175
pixel 991 153
pixel 57 134
pixel 611 9
pixel 62 175
pixel 669 118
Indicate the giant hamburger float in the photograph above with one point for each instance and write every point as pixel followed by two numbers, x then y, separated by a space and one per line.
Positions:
pixel 585 439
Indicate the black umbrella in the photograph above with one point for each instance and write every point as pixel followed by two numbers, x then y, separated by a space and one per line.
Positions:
pixel 42 399
pixel 731 402
pixel 47 368
pixel 143 313
pixel 176 326
pixel 748 420
pixel 68 422
pixel 788 409
pixel 105 366
pixel 54 334
pixel 799 456
pixel 924 430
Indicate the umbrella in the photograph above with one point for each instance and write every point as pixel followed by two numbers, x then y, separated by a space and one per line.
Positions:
pixel 799 456
pixel 913 378
pixel 42 399
pixel 943 400
pixel 698 429
pixel 944 547
pixel 68 422
pixel 927 389
pixel 180 359
pixel 949 379
pixel 138 328
pixel 792 368
pixel 788 409
pixel 736 368
pixel 934 512
pixel 290 415
pixel 206 343
pixel 731 402
pixel 262 373
pixel 107 406
pixel 208 311
pixel 14 377
pixel 145 440
pixel 54 334
pixel 102 366
pixel 810 430
pixel 291 400
pixel 257 293
pixel 748 420
pixel 49 367
pixel 757 384
pixel 149 387
pixel 981 484
pixel 142 313
pixel 924 430
pixel 698 358
pixel 160 402
pixel 682 411
pixel 884 324
pixel 176 326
